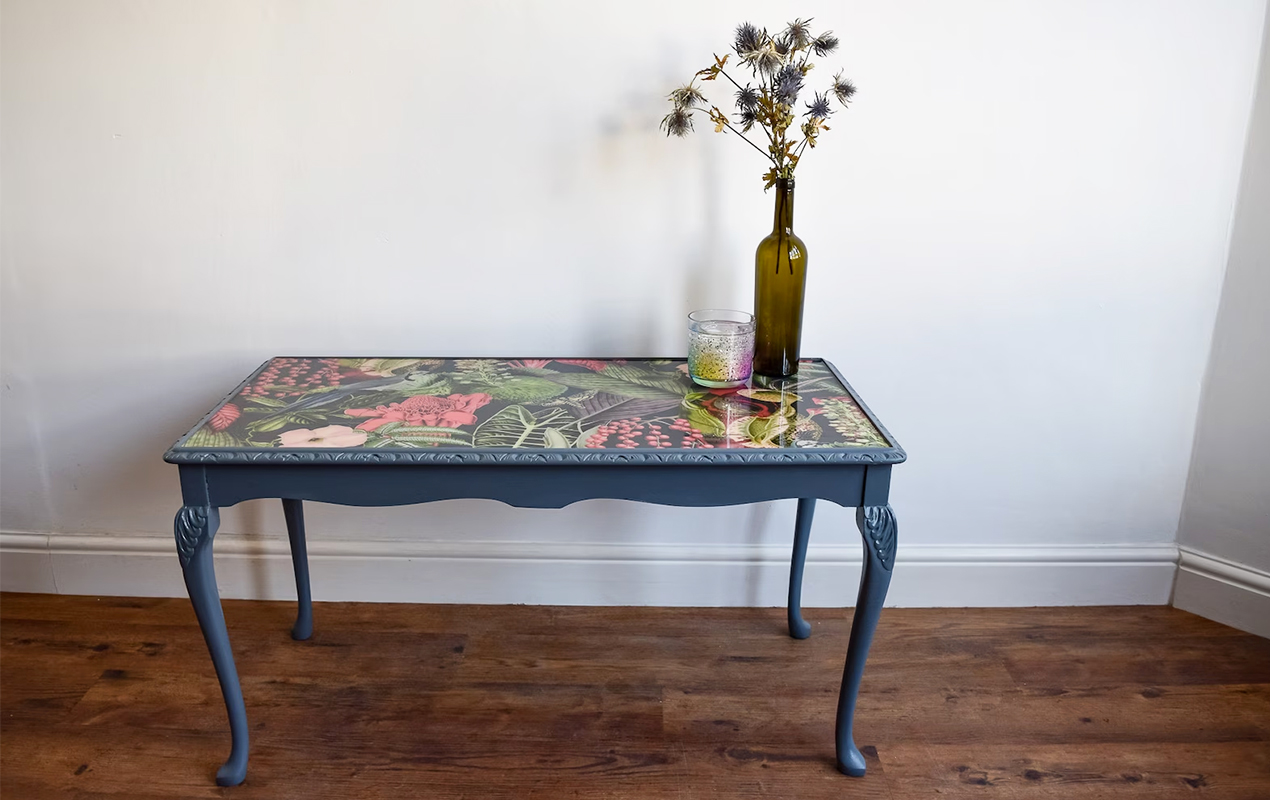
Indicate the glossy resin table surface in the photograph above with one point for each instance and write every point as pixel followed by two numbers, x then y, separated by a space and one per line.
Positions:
pixel 415 407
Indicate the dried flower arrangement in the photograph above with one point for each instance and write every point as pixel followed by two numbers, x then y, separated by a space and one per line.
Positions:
pixel 778 64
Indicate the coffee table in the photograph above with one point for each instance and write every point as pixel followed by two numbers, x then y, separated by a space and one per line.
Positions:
pixel 535 433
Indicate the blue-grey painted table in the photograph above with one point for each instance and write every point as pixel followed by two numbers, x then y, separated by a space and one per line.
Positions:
pixel 536 433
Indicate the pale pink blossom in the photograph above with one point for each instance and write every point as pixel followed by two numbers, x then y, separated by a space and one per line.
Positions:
pixel 330 436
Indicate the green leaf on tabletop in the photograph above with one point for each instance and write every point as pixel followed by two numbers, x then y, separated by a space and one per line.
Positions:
pixel 767 430
pixel 768 395
pixel 268 424
pixel 268 402
pixel 479 372
pixel 438 387
pixel 206 437
pixel 430 433
pixel 643 407
pixel 606 383
pixel 668 382
pixel 705 422
pixel 384 367
pixel 431 441
pixel 554 438
pixel 517 426
pixel 526 389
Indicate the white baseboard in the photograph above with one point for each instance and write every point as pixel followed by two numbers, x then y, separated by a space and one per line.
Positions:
pixel 594 574
pixel 1230 593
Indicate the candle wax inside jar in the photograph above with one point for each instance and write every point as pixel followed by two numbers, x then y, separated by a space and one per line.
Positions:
pixel 722 326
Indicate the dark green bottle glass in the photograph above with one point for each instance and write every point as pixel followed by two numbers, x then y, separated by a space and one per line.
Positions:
pixel 780 275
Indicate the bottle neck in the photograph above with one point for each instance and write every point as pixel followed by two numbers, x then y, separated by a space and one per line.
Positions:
pixel 783 219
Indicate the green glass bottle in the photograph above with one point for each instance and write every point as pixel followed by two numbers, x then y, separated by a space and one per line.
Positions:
pixel 780 275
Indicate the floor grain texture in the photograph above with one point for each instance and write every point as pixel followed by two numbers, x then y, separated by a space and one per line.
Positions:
pixel 116 698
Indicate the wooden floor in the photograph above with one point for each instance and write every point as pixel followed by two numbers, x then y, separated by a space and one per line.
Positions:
pixel 116 698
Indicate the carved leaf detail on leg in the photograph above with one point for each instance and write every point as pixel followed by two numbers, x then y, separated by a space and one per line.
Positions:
pixel 877 523
pixel 191 528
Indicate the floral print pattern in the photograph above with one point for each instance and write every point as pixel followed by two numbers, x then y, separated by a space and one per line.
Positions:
pixel 454 411
pixel 528 403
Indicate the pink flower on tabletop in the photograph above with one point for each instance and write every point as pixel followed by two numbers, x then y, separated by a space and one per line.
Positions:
pixel 330 436
pixel 454 411
pixel 225 417
pixel 529 363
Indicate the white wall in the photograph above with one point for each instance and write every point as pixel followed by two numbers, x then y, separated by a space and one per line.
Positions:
pixel 1225 527
pixel 1017 237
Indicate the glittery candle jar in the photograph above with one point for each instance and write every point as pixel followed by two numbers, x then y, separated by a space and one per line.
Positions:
pixel 720 347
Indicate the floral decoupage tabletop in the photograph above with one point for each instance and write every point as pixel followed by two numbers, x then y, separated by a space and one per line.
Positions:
pixel 482 404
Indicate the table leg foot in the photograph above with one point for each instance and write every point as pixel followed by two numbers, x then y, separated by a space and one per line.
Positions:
pixel 799 628
pixel 851 762
pixel 195 528
pixel 233 771
pixel 293 510
pixel 877 526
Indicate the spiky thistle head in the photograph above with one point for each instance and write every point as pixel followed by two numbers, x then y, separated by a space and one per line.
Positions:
pixel 765 60
pixel 824 44
pixel 842 88
pixel 747 98
pixel 818 108
pixel 788 83
pixel 677 123
pixel 748 118
pixel 798 33
pixel 687 97
pixel 748 39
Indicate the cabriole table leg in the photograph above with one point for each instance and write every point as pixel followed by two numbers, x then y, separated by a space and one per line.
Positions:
pixel 877 526
pixel 798 627
pixel 195 528
pixel 294 512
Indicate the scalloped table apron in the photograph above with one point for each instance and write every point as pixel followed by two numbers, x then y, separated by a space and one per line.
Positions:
pixel 534 433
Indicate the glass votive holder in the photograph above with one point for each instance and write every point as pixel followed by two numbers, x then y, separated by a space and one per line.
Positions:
pixel 720 347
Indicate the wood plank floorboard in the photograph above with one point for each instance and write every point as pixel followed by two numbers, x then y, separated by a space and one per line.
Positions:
pixel 113 698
